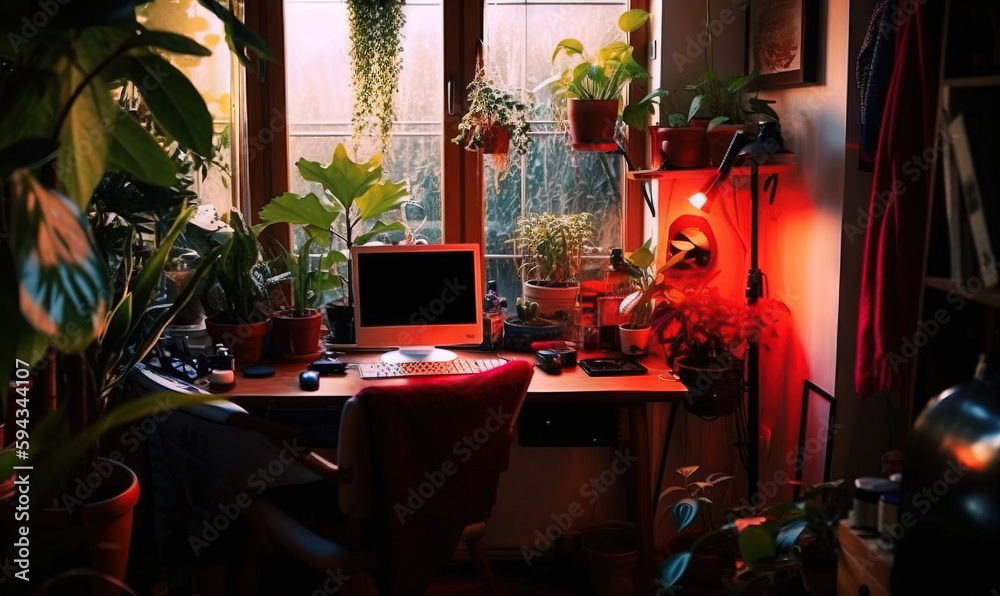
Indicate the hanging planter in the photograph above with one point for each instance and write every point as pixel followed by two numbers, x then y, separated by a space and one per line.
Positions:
pixel 497 122
pixel 376 61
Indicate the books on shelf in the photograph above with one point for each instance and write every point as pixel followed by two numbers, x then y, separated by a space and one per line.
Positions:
pixel 981 204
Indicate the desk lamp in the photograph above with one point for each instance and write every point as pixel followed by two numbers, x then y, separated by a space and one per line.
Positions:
pixel 754 154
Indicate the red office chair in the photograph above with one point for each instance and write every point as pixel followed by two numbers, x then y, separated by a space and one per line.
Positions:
pixel 418 465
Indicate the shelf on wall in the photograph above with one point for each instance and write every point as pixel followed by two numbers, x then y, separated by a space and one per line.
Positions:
pixel 987 296
pixel 787 165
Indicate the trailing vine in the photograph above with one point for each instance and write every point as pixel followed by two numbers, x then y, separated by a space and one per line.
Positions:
pixel 376 60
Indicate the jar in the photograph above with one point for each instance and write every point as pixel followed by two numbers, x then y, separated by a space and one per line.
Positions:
pixel 867 491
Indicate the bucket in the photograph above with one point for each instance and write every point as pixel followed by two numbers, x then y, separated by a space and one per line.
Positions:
pixel 610 551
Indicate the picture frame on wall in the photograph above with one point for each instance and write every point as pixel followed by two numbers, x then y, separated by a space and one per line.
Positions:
pixel 781 41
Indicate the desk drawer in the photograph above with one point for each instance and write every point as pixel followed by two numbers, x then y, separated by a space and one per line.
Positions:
pixel 569 425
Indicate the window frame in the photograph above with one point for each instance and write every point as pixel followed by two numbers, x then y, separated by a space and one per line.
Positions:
pixel 266 173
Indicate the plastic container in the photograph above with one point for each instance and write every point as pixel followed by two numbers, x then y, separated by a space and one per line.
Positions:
pixel 867 491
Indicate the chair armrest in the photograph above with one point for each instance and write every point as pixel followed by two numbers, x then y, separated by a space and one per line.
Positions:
pixel 325 468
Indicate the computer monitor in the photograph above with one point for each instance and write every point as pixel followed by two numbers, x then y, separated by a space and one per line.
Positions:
pixel 415 297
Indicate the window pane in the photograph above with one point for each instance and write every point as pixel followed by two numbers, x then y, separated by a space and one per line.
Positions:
pixel 317 46
pixel 211 75
pixel 520 38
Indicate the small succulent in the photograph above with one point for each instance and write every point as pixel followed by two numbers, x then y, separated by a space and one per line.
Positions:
pixel 527 310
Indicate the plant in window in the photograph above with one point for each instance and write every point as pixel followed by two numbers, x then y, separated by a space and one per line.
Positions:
pixel 549 250
pixel 592 90
pixel 376 61
pixel 351 209
pixel 638 306
pixel 497 122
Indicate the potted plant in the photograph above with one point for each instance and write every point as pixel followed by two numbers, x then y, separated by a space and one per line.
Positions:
pixel 350 210
pixel 771 546
pixel 684 142
pixel 376 60
pixel 549 249
pixel 592 89
pixel 236 297
pixel 705 336
pixel 519 332
pixel 634 335
pixel 497 122
pixel 707 565
pixel 297 330
pixel 72 332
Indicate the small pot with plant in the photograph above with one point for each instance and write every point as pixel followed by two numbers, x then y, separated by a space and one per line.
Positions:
pixel 549 251
pixel 684 143
pixel 527 327
pixel 638 306
pixel 236 295
pixel 349 211
pixel 496 123
pixel 297 330
pixel 592 90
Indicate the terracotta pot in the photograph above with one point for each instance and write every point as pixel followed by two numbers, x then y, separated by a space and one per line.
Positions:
pixel 719 139
pixel 297 336
pixel 106 523
pixel 246 340
pixel 685 147
pixel 551 299
pixel 496 139
pixel 592 120
pixel 713 390
pixel 634 341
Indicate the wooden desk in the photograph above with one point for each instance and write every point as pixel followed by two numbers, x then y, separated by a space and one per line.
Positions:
pixel 571 385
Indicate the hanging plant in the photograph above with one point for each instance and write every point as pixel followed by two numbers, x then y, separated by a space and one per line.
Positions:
pixel 497 122
pixel 376 60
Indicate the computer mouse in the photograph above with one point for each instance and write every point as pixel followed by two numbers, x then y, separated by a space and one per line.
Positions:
pixel 309 380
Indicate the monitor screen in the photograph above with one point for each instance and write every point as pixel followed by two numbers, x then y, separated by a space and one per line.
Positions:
pixel 416 295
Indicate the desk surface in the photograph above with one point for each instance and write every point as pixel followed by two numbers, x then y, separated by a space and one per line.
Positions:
pixel 569 385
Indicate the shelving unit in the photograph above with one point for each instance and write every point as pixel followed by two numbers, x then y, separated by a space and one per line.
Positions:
pixel 970 312
pixel 787 165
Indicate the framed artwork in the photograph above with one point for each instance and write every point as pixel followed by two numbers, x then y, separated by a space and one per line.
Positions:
pixel 781 41
pixel 814 455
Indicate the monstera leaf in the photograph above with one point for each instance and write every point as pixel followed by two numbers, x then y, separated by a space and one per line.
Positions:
pixel 62 279
pixel 314 212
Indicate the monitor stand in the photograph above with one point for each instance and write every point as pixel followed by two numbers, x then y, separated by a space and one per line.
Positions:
pixel 418 354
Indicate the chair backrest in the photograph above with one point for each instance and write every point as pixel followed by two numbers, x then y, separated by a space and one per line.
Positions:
pixel 435 450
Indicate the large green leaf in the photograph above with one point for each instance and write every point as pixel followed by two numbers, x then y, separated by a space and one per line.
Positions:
pixel 570 46
pixel 343 178
pixel 757 547
pixel 29 107
pixel 174 101
pixel 83 141
pixel 316 212
pixel 239 36
pixel 172 42
pixel 643 256
pixel 632 19
pixel 62 278
pixel 135 151
pixel 380 198
pixel 379 228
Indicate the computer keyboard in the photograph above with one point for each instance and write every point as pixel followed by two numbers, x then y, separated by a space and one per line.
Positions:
pixel 377 370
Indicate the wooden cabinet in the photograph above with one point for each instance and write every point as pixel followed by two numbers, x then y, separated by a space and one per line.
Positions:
pixel 862 567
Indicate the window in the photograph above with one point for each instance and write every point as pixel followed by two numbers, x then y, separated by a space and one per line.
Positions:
pixel 519 40
pixel 446 183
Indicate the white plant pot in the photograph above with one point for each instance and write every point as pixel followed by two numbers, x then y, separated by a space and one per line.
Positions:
pixel 550 300
pixel 634 342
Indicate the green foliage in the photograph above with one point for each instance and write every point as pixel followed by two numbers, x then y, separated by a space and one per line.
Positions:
pixel 311 288
pixel 490 107
pixel 376 61
pixel 695 493
pixel 549 247
pixel 638 305
pixel 353 192
pixel 238 285
pixel 605 75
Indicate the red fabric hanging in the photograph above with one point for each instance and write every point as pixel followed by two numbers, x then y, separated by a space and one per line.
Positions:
pixel 892 271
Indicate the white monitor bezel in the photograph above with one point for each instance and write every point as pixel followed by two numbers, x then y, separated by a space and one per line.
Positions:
pixel 426 335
